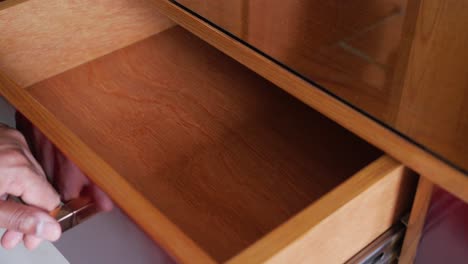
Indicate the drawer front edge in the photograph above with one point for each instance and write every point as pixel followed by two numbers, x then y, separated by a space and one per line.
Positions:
pixel 341 223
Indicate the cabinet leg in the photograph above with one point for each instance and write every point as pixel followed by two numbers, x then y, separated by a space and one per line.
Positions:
pixel 416 221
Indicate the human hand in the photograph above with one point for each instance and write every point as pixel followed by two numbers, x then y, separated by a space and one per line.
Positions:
pixel 72 183
pixel 22 176
pixel 68 179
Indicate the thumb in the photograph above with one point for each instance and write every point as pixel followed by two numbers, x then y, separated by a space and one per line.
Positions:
pixel 28 220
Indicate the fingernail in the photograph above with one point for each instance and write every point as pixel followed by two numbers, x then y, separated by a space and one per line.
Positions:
pixel 48 230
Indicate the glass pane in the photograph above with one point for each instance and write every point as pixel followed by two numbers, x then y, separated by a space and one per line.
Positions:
pixel 403 63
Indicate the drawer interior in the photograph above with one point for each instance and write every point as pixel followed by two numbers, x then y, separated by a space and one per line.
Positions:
pixel 43 38
pixel 222 153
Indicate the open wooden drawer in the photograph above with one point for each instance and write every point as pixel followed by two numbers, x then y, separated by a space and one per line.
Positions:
pixel 211 160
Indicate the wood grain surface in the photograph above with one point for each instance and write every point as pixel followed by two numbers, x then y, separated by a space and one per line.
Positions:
pixel 342 222
pixel 223 153
pixel 416 222
pixel 232 15
pixel 4 4
pixel 137 207
pixel 40 39
pixel 349 47
pixel 418 159
pixel 434 102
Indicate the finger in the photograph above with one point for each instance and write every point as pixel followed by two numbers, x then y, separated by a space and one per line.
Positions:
pixel 16 151
pixel 37 192
pixel 34 163
pixel 103 202
pixel 69 179
pixel 41 146
pixel 21 178
pixel 12 136
pixel 31 242
pixel 10 239
pixel 28 220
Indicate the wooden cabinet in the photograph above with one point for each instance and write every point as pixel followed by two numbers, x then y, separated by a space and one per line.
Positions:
pixel 212 161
